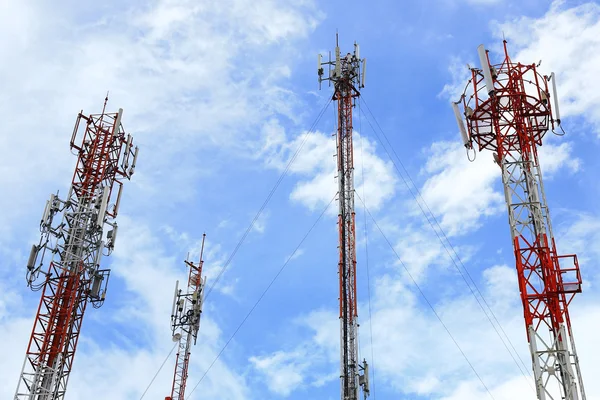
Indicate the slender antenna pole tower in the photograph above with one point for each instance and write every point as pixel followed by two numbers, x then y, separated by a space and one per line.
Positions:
pixel 105 157
pixel 508 111
pixel 185 322
pixel 347 79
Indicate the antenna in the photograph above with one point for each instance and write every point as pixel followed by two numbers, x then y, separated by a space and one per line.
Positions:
pixel 135 155
pixel 337 71
pixel 32 257
pixel 329 70
pixel 48 215
pixel 320 70
pixel 461 126
pixel 98 257
pixel 96 285
pixel 112 236
pixel 364 73
pixel 118 122
pixel 175 299
pixel 356 51
pixel 103 204
pixel 126 156
pixel 485 67
pixel 118 202
pixel 555 95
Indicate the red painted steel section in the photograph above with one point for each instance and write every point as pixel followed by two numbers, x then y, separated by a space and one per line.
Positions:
pixel 546 305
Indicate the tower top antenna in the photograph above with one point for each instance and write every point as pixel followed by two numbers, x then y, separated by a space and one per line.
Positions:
pixel 338 66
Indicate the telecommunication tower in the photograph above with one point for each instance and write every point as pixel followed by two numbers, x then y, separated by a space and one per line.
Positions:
pixel 347 73
pixel 185 322
pixel 508 111
pixel 75 246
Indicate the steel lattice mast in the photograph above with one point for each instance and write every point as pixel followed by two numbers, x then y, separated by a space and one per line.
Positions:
pixel 105 157
pixel 347 80
pixel 185 322
pixel 508 111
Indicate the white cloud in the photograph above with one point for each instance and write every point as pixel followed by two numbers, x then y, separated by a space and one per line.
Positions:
pixel 458 191
pixel 261 222
pixel 316 165
pixel 412 369
pixel 420 251
pixel 295 255
pixel 580 237
pixel 309 362
pixel 459 76
pixel 283 371
pixel 184 73
pixel 556 157
pixel 516 388
pixel 462 193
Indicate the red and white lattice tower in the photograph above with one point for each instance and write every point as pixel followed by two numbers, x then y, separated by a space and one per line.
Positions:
pixel 185 322
pixel 345 74
pixel 508 111
pixel 74 247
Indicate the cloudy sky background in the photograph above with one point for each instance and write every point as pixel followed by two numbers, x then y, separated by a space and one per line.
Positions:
pixel 219 95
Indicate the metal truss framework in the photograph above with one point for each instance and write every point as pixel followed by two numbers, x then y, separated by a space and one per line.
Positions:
pixel 105 157
pixel 509 112
pixel 185 322
pixel 346 79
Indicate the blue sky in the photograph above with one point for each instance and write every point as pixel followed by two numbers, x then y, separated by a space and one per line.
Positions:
pixel 219 95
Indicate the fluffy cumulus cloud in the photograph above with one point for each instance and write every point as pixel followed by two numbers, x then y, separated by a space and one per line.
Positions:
pixel 461 192
pixel 414 369
pixel 313 159
pixel 282 371
pixel 558 157
pixel 309 363
pixel 183 72
pixel 287 371
pixel 460 75
pixel 575 238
